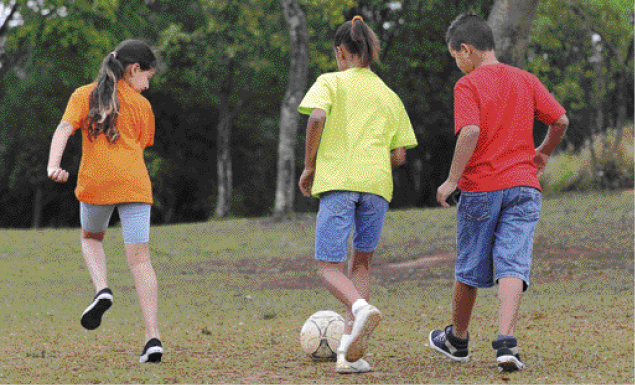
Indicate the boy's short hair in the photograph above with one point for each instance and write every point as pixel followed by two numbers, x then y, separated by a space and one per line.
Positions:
pixel 470 28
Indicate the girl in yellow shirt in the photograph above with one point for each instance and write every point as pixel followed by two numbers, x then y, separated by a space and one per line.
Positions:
pixel 117 124
pixel 358 130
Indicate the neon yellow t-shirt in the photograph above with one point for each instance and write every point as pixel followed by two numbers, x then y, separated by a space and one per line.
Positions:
pixel 365 120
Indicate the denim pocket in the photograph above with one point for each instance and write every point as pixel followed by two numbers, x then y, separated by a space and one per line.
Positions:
pixel 379 204
pixel 474 206
pixel 529 203
pixel 336 201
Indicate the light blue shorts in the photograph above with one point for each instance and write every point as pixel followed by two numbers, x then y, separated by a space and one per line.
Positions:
pixel 495 234
pixel 135 220
pixel 341 210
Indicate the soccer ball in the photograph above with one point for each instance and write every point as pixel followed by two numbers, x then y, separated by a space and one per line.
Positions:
pixel 321 334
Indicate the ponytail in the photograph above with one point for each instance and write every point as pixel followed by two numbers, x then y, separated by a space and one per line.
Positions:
pixel 103 106
pixel 359 39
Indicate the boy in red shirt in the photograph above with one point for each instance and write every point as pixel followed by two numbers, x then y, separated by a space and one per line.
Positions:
pixel 496 169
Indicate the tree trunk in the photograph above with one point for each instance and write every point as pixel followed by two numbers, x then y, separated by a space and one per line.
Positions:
pixel 36 222
pixel 622 98
pixel 224 167
pixel 286 183
pixel 223 147
pixel 598 127
pixel 511 21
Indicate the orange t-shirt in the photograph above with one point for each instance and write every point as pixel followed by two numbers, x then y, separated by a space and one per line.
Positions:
pixel 114 173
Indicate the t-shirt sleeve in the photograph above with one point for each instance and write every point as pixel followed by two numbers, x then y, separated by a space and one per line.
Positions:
pixel 147 126
pixel 547 108
pixel 466 106
pixel 76 109
pixel 404 135
pixel 320 95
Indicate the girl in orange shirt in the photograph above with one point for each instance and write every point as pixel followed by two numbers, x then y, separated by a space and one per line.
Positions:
pixel 117 124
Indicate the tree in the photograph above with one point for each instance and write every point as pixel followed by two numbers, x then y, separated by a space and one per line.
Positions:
pixel 32 72
pixel 511 21
pixel 231 61
pixel 563 53
pixel 286 183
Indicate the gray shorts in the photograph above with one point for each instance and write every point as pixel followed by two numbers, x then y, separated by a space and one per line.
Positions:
pixel 135 220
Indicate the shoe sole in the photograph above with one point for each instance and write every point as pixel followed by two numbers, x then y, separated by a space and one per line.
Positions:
pixel 450 356
pixel 509 364
pixel 358 345
pixel 91 317
pixel 351 371
pixel 152 355
pixel 348 369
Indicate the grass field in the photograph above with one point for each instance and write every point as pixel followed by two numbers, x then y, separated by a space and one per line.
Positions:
pixel 234 294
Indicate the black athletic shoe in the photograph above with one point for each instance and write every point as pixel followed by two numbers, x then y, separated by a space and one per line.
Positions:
pixel 450 346
pixel 91 317
pixel 152 352
pixel 507 355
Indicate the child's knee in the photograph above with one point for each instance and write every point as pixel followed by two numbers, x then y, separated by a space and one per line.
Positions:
pixel 326 268
pixel 95 236
pixel 137 253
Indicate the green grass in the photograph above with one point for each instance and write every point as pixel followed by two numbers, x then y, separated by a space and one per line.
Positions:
pixel 234 294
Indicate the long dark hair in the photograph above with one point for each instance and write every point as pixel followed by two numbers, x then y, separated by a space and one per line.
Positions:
pixel 104 103
pixel 359 39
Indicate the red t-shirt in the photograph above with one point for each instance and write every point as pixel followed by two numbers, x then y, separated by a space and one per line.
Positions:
pixel 503 102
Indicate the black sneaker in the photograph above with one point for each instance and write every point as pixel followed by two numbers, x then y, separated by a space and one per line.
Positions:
pixel 91 317
pixel 507 355
pixel 449 345
pixel 152 352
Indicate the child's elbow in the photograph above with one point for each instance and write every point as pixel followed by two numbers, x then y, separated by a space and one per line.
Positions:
pixel 398 157
pixel 563 121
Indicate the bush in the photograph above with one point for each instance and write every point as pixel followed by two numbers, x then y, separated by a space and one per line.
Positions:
pixel 573 171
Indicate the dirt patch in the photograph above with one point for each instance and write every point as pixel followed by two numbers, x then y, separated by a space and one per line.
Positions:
pixel 385 273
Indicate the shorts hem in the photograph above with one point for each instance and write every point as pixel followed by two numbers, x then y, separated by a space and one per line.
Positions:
pixel 134 242
pixel 363 250
pixel 474 284
pixel 331 259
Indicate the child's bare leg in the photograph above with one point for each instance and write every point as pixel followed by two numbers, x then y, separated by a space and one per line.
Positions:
pixel 146 283
pixel 359 273
pixel 95 257
pixel 510 291
pixel 338 283
pixel 462 305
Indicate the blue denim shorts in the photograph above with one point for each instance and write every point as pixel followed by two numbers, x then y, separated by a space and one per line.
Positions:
pixel 341 210
pixel 135 220
pixel 495 233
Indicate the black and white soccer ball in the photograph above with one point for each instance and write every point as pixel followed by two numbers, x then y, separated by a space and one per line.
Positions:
pixel 321 334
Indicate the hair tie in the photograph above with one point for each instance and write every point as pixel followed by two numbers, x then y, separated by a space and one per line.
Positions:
pixel 114 54
pixel 357 17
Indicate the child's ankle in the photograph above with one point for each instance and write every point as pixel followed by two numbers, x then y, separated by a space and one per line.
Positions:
pixel 344 341
pixel 358 304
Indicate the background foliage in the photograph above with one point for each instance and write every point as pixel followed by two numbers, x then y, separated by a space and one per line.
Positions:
pixel 49 48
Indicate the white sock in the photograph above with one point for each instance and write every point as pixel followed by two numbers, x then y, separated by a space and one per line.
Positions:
pixel 344 343
pixel 358 305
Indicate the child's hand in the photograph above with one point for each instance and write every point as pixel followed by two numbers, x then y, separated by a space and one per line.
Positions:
pixel 57 174
pixel 444 191
pixel 541 161
pixel 306 181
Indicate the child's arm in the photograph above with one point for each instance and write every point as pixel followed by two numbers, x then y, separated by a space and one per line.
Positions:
pixel 313 135
pixel 58 144
pixel 553 138
pixel 468 137
pixel 398 156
